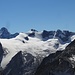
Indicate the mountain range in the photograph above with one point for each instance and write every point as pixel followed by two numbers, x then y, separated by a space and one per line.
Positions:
pixel 37 52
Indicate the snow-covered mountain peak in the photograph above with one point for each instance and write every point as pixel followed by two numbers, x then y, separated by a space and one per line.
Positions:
pixel 33 44
pixel 21 36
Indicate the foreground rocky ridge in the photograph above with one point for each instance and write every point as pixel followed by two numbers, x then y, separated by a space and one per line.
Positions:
pixel 59 63
pixel 21 64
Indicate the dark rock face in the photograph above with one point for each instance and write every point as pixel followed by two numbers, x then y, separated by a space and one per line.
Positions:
pixel 31 34
pixel 45 34
pixel 26 38
pixel 15 65
pixel 21 64
pixel 1 49
pixel 1 56
pixel 4 33
pixel 59 63
pixel 64 36
pixel 1 52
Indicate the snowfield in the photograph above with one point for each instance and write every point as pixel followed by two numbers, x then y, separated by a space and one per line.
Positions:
pixel 33 46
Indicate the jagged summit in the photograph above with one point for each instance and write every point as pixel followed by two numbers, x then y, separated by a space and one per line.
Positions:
pixel 4 33
pixel 63 36
pixel 3 29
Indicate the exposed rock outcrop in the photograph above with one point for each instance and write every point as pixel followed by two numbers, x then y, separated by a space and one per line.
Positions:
pixel 59 63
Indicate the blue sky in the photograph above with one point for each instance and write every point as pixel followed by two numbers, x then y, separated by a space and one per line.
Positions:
pixel 23 15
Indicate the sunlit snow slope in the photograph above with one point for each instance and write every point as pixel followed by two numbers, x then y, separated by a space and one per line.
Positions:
pixel 33 46
pixel 36 43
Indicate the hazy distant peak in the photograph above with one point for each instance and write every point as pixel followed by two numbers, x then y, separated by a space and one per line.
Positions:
pixel 4 33
pixel 3 29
